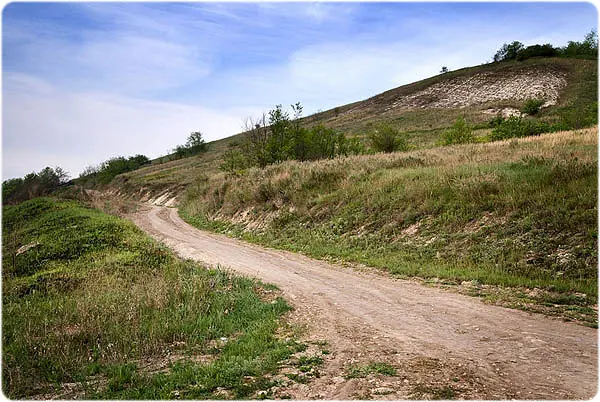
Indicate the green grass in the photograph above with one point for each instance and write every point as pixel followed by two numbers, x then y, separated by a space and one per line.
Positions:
pixel 361 371
pixel 520 213
pixel 99 304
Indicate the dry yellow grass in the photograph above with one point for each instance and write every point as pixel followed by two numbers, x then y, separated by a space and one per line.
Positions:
pixel 557 145
pixel 520 211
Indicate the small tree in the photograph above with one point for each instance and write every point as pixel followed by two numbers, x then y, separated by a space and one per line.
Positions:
pixel 459 133
pixel 299 135
pixel 508 51
pixel 587 49
pixel 195 143
pixel 280 144
pixel 234 162
pixel 323 142
pixel 386 138
pixel 256 132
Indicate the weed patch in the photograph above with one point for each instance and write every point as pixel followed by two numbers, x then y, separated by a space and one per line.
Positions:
pixel 435 393
pixel 361 371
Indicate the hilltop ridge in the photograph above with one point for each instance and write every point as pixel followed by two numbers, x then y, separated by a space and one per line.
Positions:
pixel 471 90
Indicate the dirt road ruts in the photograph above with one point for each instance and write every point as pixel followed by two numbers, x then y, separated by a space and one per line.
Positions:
pixel 510 353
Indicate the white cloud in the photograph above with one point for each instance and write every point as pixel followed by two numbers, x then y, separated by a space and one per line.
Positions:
pixel 330 74
pixel 139 55
pixel 316 11
pixel 140 64
pixel 45 125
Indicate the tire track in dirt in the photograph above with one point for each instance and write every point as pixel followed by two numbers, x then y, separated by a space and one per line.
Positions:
pixel 433 336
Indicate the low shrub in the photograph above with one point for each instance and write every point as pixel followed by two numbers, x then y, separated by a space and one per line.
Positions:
pixel 234 162
pixel 386 138
pixel 579 116
pixel 195 144
pixel 532 106
pixel 108 170
pixel 459 133
pixel 279 137
pixel 515 127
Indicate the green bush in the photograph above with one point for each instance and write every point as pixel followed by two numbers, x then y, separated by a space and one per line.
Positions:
pixel 108 170
pixel 234 162
pixel 459 133
pixel 386 138
pixel 515 127
pixel 579 116
pixel 195 144
pixel 326 143
pixel 115 166
pixel 278 138
pixel 496 121
pixel 546 50
pixel 532 106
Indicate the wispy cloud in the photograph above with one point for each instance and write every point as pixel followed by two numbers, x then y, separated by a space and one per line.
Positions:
pixel 118 60
pixel 81 129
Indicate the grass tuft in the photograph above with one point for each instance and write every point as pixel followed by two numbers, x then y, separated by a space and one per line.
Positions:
pixel 361 371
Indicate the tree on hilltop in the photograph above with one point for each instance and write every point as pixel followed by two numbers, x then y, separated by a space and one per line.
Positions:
pixel 508 51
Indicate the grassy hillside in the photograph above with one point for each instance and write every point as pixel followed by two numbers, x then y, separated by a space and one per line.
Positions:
pixel 422 115
pixel 93 308
pixel 517 213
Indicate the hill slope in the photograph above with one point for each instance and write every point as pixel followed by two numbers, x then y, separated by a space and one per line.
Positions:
pixel 479 88
pixel 423 110
pixel 511 213
pixel 520 213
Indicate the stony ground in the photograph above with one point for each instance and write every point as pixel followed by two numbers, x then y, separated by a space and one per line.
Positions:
pixel 544 84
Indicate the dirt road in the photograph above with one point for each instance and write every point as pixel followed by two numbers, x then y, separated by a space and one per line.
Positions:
pixel 444 344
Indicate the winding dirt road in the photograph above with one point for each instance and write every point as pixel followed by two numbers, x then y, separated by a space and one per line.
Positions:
pixel 438 339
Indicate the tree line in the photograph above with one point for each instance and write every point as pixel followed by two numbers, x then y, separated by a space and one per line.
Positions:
pixel 33 185
pixel 109 169
pixel 278 136
pixel 588 48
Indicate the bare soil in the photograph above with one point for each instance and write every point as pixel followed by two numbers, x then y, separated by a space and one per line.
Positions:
pixel 488 87
pixel 444 345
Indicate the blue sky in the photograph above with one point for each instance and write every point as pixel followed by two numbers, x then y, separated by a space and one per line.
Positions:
pixel 83 82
